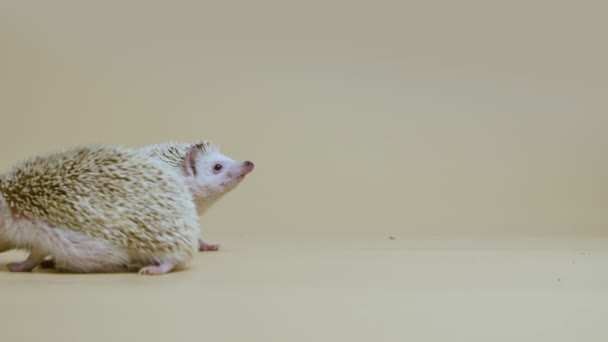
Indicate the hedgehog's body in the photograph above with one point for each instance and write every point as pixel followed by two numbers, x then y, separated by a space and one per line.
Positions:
pixel 98 209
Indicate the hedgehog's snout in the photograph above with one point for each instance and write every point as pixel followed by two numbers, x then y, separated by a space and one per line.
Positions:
pixel 248 166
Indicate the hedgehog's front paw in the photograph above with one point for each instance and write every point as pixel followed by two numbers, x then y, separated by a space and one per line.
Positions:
pixel 156 270
pixel 207 247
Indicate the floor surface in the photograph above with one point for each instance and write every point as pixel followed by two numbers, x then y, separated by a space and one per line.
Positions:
pixel 369 288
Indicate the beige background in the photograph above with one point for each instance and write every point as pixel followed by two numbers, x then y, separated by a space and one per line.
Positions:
pixel 475 133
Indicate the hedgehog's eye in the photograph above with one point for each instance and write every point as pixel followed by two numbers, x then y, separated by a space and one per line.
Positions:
pixel 217 167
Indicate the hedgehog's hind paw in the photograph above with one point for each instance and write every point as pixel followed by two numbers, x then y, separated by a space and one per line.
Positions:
pixel 19 267
pixel 33 260
pixel 163 268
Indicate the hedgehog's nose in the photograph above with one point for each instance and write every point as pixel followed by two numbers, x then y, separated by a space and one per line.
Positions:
pixel 248 166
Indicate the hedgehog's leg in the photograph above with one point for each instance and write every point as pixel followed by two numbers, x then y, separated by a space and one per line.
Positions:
pixel 163 268
pixel 203 246
pixel 34 259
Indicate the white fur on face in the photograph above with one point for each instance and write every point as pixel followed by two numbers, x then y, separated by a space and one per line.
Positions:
pixel 207 183
pixel 212 180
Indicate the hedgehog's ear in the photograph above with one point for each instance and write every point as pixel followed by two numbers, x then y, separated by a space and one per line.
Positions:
pixel 189 166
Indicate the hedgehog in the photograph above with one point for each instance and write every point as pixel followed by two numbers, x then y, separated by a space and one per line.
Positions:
pixel 208 173
pixel 99 208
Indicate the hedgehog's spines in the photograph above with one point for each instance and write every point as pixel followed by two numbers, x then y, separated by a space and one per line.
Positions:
pixel 112 193
pixel 206 146
pixel 174 153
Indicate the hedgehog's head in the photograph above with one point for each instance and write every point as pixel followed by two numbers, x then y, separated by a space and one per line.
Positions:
pixel 210 174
